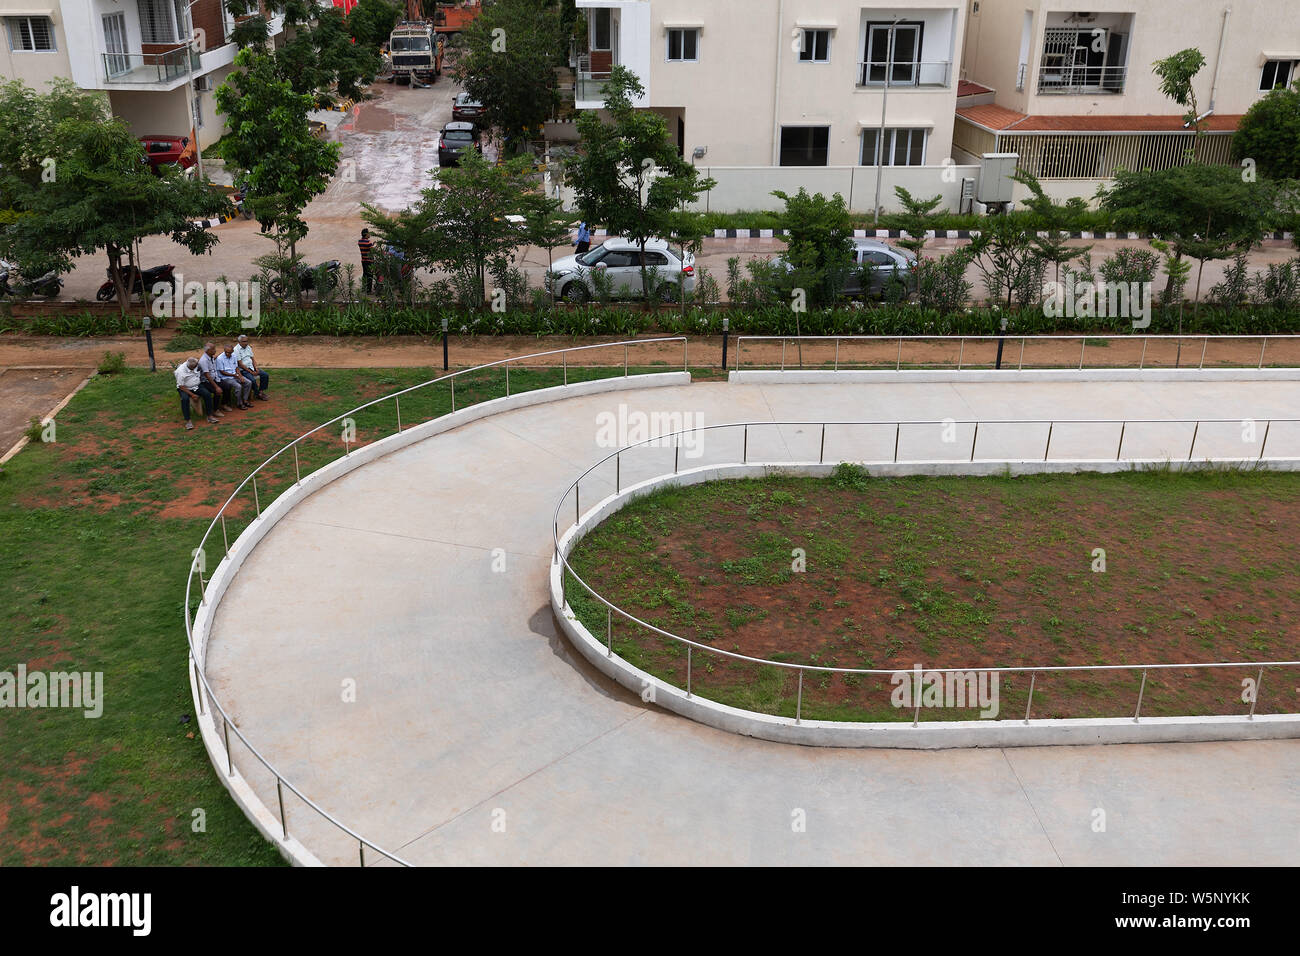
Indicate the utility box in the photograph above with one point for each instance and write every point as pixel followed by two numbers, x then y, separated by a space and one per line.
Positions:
pixel 966 203
pixel 996 184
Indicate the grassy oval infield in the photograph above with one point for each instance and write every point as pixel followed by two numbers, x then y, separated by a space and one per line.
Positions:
pixel 961 572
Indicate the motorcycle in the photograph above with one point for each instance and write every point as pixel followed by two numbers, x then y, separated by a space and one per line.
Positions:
pixel 392 265
pixel 48 285
pixel 143 280
pixel 307 279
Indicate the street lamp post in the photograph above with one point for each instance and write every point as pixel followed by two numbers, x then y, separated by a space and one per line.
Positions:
pixel 884 100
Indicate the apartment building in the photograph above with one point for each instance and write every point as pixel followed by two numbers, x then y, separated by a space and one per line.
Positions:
pixel 772 83
pixel 1071 88
pixel 133 51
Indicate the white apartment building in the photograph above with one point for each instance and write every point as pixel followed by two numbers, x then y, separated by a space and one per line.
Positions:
pixel 1070 87
pixel 758 85
pixel 133 51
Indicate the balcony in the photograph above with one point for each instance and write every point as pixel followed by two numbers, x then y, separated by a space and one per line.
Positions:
pixel 931 74
pixel 589 84
pixel 1053 78
pixel 147 69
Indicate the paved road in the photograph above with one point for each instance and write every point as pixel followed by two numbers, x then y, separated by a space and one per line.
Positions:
pixel 470 711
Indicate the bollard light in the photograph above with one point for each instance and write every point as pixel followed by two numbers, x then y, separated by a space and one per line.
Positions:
pixel 726 325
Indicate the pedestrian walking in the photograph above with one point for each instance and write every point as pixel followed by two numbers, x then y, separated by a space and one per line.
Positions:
pixel 367 260
pixel 583 242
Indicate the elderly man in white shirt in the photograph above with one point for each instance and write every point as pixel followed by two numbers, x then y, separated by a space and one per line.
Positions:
pixel 255 374
pixel 228 372
pixel 190 386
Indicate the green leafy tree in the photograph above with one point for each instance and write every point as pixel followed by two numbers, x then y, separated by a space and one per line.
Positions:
pixel 1007 258
pixel 510 55
pixel 1177 74
pixel 917 218
pixel 371 22
pixel 687 230
pixel 270 138
pixel 819 244
pixel 461 224
pixel 77 183
pixel 626 172
pixel 1053 246
pixel 1269 134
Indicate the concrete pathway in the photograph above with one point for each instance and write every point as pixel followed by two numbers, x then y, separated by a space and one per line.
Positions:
pixel 476 737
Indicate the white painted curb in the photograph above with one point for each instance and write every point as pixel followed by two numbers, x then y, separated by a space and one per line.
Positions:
pixel 266 821
pixel 933 735
pixel 879 376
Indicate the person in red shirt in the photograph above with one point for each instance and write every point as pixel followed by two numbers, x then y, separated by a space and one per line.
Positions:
pixel 367 260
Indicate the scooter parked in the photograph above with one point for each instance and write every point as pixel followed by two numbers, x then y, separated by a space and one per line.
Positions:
pixel 12 284
pixel 143 280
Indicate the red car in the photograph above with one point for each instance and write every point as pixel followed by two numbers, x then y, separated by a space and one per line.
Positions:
pixel 168 150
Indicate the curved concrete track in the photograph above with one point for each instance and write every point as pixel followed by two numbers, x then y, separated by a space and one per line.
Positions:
pixel 477 736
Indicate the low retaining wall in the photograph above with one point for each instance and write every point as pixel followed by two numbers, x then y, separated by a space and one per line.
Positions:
pixel 890 376
pixel 924 736
pixel 267 822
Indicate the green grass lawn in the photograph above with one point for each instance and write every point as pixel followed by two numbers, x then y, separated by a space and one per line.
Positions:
pixel 96 533
pixel 960 572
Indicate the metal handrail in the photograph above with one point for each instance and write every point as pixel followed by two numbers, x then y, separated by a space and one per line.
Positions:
pixel 659 440
pixel 961 341
pixel 199 675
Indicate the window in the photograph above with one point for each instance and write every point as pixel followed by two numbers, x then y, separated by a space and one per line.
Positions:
pixel 1083 60
pixel 804 145
pixel 162 21
pixel 904 63
pixel 903 147
pixel 31 34
pixel 684 44
pixel 656 259
pixel 198 111
pixel 816 46
pixel 1277 73
pixel 601 29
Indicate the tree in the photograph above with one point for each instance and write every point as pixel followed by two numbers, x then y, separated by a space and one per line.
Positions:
pixel 1006 257
pixel 917 218
pixel 1176 74
pixel 461 223
pixel 270 138
pixel 627 173
pixel 1053 245
pixel 819 243
pixel 1269 134
pixel 688 230
pixel 371 22
pixel 510 55
pixel 77 182
pixel 1204 212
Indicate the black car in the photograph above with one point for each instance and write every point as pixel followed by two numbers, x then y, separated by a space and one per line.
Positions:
pixel 466 109
pixel 455 138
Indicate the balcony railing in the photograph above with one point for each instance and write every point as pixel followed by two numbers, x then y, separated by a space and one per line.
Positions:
pixel 1081 79
pixel 129 68
pixel 931 73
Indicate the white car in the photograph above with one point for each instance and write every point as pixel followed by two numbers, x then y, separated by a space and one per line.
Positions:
pixel 620 260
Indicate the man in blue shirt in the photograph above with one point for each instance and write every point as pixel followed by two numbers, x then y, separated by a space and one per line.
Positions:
pixel 584 238
pixel 229 373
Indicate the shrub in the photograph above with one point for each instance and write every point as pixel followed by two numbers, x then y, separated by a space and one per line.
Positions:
pixel 113 363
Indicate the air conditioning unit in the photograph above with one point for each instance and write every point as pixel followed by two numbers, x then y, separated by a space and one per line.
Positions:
pixel 201 84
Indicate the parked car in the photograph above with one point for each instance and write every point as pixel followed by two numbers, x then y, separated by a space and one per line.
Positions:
pixel 889 267
pixel 466 109
pixel 168 150
pixel 620 259
pixel 454 139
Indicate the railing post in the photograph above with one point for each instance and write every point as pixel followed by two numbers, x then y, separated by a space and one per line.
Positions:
pixel 577 511
pixel 686 345
pixel 1033 676
pixel 507 379
pixel 1143 359
pixel 297 473
pixel 225 733
pixel 361 848
pixel 565 358
pixel 1122 426
pixel 798 704
pixel 625 361
pixel 744 454
pixel 257 503
pixel 898 365
pixel 974 439
pixel 688 669
pixel 397 403
pixel 1204 345
pixel 821 455
pixel 961 352
pixel 837 353
pixel 1021 364
pixel 618 472
pixel 783 355
pixel 1264 443
pixel 279 792
pixel 1261 351
pixel 898 429
pixel 1258 681
pixel 198 685
pixel 225 540
pixel 677 453
pixel 609 632
pixel 1083 344
pixel 1195 431
pixel 203 593
pixel 1141 691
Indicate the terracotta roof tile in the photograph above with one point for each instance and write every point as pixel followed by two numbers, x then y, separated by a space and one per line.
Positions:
pixel 967 88
pixel 1001 119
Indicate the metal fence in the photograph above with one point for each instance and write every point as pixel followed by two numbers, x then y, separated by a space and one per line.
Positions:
pixel 674 441
pixel 204 693
pixel 1229 351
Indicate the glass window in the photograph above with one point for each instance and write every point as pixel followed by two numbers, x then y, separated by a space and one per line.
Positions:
pixel 683 44
pixel 903 147
pixel 902 62
pixel 31 34
pixel 1276 73
pixel 804 145
pixel 601 26
pixel 816 46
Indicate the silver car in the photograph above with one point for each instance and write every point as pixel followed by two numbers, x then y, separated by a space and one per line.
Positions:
pixel 620 260
pixel 889 266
